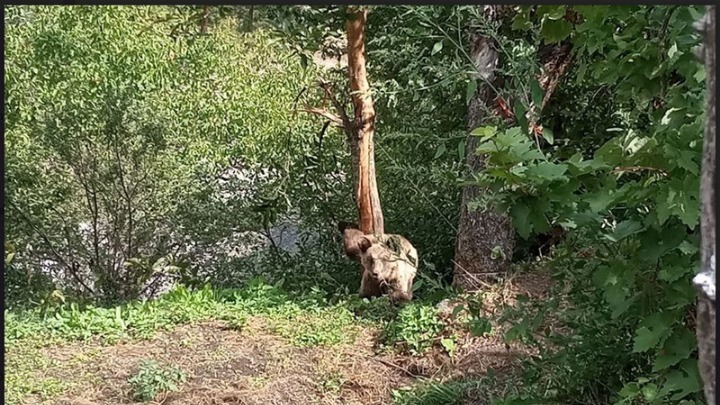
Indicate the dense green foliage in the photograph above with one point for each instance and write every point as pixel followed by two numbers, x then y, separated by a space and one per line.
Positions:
pixel 125 136
pixel 631 205
pixel 145 152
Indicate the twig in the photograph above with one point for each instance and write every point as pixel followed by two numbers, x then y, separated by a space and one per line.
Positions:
pixel 204 24
pixel 57 255
pixel 337 121
pixel 481 282
pixel 347 123
pixel 633 169
pixel 395 366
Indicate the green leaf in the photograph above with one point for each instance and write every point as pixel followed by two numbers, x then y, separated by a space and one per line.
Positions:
pixel 548 135
pixel 539 220
pixel 662 205
pixel 581 73
pixel 520 22
pixel 520 111
pixel 672 273
pixel 600 200
pixel 519 214
pixel 653 329
pixel 448 345
pixel 456 311
pixel 555 30
pixel 484 132
pixel 650 392
pixel 551 12
pixel 677 348
pixel 537 93
pixel 437 47
pixel 624 229
pixel 686 379
pixel 689 211
pixel 440 150
pixel 480 326
pixel 547 171
pixel 616 295
pixel 673 50
pixel 646 339
pixel 461 150
pixel 688 248
pixel 470 91
pixel 630 390
pixel 516 331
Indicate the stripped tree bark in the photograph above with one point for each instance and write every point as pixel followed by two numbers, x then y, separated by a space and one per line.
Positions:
pixel 360 130
pixel 368 198
pixel 705 280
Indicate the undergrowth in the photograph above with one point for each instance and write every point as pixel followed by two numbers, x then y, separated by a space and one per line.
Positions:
pixel 306 319
pixel 153 379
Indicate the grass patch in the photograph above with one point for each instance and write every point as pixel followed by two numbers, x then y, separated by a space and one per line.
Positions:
pixel 24 375
pixel 308 319
pixel 314 327
pixel 454 392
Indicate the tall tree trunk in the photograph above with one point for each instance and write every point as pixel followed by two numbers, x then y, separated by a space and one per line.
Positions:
pixel 705 281
pixel 363 126
pixel 481 232
pixel 204 22
pixel 250 19
pixel 486 239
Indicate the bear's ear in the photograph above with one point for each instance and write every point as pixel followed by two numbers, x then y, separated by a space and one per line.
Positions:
pixel 343 225
pixel 364 244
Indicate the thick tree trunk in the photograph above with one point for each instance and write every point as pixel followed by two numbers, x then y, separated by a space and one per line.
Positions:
pixel 481 232
pixel 705 281
pixel 363 126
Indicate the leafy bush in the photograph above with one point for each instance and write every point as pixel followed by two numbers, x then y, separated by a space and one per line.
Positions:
pixel 153 380
pixel 414 329
pixel 114 144
pixel 630 205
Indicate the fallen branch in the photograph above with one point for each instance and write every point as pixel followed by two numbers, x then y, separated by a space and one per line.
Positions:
pixel 395 366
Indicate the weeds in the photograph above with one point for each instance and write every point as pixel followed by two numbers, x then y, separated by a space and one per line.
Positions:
pixel 308 319
pixel 433 393
pixel 153 379
pixel 415 328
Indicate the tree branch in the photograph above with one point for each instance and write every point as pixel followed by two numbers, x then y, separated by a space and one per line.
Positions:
pixel 49 244
pixel 337 121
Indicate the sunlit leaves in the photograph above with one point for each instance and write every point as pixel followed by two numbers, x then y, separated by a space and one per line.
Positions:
pixel 135 113
pixel 626 184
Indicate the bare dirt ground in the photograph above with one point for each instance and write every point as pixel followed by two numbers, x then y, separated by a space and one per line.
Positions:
pixel 253 366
